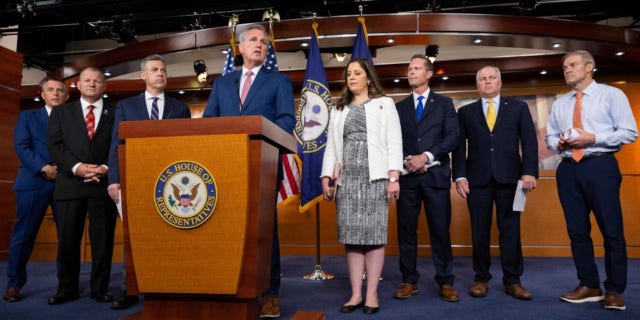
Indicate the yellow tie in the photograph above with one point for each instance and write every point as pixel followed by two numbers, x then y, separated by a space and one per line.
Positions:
pixel 491 115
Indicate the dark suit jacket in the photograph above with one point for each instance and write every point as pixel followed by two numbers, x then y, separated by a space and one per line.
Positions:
pixel 437 132
pixel 30 143
pixel 271 96
pixel 70 144
pixel 496 154
pixel 135 108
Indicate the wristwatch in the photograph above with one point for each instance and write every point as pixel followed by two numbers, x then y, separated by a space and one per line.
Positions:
pixel 392 179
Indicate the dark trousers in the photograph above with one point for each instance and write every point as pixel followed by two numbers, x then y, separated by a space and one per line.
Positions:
pixel 594 185
pixel 102 224
pixel 274 275
pixel 480 202
pixel 415 191
pixel 31 208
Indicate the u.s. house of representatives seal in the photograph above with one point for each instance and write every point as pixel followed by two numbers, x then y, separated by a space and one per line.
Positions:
pixel 185 194
pixel 312 117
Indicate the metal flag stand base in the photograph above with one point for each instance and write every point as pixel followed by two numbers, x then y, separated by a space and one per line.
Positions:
pixel 318 273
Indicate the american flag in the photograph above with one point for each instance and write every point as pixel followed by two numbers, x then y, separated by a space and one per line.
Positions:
pixel 229 62
pixel 290 186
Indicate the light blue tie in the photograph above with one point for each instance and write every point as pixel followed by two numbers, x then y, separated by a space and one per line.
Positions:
pixel 419 108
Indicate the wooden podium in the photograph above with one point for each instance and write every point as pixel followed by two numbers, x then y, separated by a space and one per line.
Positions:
pixel 199 199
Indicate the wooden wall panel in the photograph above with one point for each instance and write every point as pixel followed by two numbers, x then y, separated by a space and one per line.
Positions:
pixel 10 79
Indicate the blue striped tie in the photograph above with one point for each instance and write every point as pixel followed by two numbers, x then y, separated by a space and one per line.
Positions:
pixel 155 114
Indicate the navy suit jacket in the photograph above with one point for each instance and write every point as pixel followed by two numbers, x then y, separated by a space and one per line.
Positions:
pixel 69 144
pixel 437 132
pixel 271 95
pixel 496 154
pixel 30 143
pixel 135 108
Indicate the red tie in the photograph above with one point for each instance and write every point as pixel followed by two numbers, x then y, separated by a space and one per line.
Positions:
pixel 577 154
pixel 90 121
pixel 245 88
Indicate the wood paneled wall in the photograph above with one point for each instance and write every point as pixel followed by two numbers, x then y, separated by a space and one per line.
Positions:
pixel 10 79
pixel 543 226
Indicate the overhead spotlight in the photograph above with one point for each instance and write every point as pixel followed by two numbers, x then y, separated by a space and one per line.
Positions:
pixel 432 52
pixel 477 41
pixel 26 7
pixel 123 31
pixel 527 5
pixel 72 85
pixel 195 25
pixel 201 70
pixel 340 56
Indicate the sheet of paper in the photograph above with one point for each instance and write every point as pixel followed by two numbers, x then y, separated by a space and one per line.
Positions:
pixel 119 204
pixel 520 198
pixel 427 166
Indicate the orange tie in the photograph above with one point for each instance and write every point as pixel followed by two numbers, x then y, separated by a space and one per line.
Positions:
pixel 577 154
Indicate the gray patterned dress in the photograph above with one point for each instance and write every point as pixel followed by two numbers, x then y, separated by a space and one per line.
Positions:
pixel 361 205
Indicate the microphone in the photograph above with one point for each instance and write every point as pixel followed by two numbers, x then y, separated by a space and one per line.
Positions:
pixel 235 82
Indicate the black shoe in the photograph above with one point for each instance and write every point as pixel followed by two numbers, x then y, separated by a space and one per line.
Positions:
pixel 351 307
pixel 62 297
pixel 123 302
pixel 102 297
pixel 371 310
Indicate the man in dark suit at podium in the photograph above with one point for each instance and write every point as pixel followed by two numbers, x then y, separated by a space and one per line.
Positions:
pixel 256 90
pixel 79 136
pixel 34 183
pixel 486 167
pixel 152 104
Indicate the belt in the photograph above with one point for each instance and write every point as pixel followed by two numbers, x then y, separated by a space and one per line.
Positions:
pixel 590 156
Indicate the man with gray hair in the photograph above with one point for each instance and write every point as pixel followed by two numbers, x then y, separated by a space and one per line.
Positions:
pixel 152 104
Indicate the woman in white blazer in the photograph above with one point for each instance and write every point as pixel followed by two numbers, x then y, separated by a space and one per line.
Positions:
pixel 363 159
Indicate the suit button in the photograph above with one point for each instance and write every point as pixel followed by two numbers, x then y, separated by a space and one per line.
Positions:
pixel 491 149
pixel 419 139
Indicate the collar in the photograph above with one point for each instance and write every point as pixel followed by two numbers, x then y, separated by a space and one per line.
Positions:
pixel 148 96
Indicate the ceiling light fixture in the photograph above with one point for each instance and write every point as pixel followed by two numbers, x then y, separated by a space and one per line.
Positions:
pixel 477 41
pixel 200 69
pixel 340 56
pixel 432 52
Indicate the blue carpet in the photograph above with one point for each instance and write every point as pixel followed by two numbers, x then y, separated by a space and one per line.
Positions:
pixel 545 278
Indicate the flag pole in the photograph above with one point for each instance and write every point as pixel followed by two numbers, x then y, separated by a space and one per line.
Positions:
pixel 318 273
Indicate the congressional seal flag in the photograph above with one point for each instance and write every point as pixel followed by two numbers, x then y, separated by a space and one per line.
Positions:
pixel 312 119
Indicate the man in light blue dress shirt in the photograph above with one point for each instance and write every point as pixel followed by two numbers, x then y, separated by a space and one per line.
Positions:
pixel 592 183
